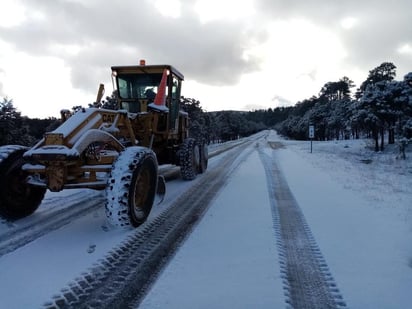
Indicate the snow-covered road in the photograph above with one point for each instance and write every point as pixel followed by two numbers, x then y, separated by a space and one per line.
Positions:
pixel 360 216
pixel 230 260
pixel 44 265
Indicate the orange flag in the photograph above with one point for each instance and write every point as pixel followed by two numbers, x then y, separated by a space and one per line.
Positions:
pixel 160 98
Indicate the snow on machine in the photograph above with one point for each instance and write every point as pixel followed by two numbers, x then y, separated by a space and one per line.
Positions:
pixel 113 150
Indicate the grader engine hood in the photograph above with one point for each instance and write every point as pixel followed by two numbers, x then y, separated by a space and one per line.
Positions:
pixel 69 140
pixel 60 155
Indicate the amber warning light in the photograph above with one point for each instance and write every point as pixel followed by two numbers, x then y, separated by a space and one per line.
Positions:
pixel 142 62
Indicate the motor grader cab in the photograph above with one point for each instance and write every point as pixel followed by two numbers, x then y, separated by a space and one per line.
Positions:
pixel 113 150
pixel 152 92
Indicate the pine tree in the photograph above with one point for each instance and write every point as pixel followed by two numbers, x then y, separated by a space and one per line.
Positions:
pixel 384 72
pixel 9 120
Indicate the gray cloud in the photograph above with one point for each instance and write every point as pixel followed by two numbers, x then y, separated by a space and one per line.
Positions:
pixel 381 27
pixel 210 53
pixel 376 40
pixel 130 30
pixel 281 101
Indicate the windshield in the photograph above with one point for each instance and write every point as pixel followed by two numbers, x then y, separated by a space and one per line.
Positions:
pixel 138 86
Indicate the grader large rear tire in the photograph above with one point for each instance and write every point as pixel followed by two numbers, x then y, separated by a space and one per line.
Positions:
pixel 131 187
pixel 17 198
pixel 189 159
pixel 204 158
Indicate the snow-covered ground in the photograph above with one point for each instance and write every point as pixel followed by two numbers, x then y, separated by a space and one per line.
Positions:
pixel 358 205
pixel 360 215
pixel 230 260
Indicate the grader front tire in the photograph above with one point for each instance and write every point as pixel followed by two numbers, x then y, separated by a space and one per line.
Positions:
pixel 132 187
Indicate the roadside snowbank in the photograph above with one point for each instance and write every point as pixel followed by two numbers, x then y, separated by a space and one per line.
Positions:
pixel 360 215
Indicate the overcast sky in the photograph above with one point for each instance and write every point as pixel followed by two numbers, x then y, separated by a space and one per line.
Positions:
pixel 235 54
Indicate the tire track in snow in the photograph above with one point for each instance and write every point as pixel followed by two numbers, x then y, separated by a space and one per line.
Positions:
pixel 122 278
pixel 308 283
pixel 21 234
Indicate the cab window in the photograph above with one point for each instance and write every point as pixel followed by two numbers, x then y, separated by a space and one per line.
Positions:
pixel 138 86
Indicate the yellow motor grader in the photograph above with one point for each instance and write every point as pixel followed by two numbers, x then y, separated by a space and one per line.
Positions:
pixel 113 150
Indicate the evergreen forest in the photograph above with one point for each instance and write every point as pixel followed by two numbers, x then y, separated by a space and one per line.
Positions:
pixel 379 109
